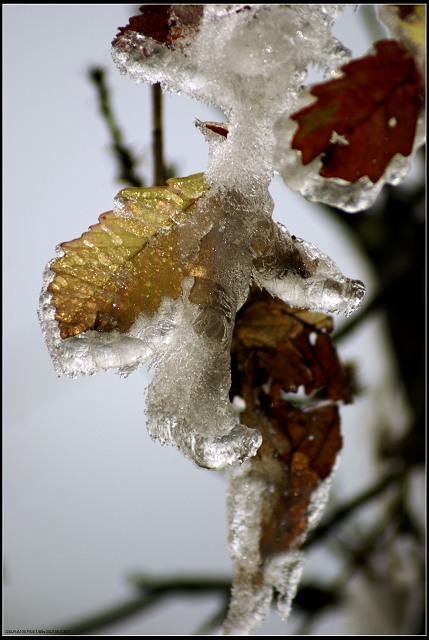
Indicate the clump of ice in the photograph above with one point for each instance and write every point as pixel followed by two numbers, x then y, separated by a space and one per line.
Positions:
pixel 250 61
pixel 255 576
pixel 303 276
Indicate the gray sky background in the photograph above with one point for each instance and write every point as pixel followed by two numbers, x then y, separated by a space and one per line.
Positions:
pixel 88 497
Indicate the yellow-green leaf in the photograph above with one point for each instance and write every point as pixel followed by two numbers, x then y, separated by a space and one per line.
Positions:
pixel 125 265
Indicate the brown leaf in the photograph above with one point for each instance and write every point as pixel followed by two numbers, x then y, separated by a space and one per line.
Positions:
pixel 275 349
pixel 361 120
pixel 290 345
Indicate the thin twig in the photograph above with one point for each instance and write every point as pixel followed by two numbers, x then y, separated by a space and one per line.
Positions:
pixel 187 584
pixel 345 510
pixel 152 591
pixel 159 169
pixel 111 615
pixel 124 157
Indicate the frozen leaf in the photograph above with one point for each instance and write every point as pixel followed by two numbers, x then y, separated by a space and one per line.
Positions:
pixel 372 158
pixel 156 279
pixel 128 262
pixel 279 495
pixel 161 277
pixel 364 118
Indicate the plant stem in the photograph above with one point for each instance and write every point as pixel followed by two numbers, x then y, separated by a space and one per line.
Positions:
pixel 159 170
pixel 124 157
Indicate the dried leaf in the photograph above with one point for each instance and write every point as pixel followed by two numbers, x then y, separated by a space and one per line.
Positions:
pixel 290 345
pixel 128 262
pixel 363 119
pixel 217 127
pixel 301 447
pixel 276 349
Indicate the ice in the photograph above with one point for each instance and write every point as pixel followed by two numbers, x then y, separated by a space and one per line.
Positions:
pixel 250 596
pixel 187 402
pixel 249 61
pixel 301 275
pixel 255 575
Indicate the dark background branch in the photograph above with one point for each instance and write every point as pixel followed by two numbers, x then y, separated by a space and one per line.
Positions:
pixel 125 159
pixel 159 168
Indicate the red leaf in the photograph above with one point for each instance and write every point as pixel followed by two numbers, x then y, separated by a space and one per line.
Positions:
pixel 364 118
